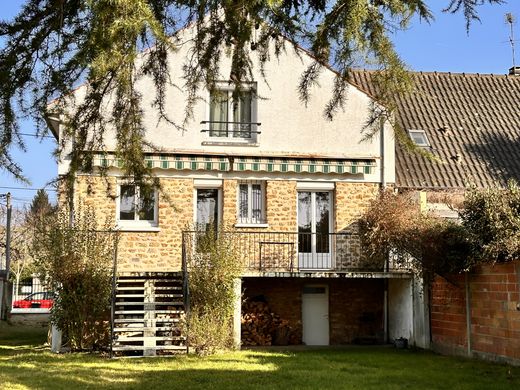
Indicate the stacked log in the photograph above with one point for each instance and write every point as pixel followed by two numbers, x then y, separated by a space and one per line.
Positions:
pixel 260 326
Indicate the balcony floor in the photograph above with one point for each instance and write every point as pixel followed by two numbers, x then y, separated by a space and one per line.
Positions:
pixel 329 274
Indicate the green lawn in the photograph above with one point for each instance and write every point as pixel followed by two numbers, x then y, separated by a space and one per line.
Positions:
pixel 26 364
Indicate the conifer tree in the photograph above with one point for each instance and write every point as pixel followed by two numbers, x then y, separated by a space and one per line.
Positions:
pixel 53 45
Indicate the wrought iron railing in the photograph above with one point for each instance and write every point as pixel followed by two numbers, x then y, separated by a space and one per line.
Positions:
pixel 288 251
pixel 231 129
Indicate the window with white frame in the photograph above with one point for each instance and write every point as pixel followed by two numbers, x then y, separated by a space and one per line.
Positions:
pixel 251 202
pixel 137 205
pixel 231 116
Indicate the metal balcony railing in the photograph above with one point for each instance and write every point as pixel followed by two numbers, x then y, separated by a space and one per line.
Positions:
pixel 286 251
pixel 231 129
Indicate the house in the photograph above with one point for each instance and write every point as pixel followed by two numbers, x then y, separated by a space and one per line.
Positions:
pixel 290 184
pixel 472 123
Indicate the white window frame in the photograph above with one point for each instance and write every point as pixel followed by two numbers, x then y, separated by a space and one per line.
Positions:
pixel 249 220
pixel 229 88
pixel 426 143
pixel 136 223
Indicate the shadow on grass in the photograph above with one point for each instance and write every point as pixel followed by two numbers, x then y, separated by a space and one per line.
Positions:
pixel 363 368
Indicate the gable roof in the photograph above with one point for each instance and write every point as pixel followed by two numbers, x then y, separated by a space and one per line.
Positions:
pixel 472 122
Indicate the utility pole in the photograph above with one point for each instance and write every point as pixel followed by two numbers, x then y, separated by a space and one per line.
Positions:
pixel 8 236
pixel 5 287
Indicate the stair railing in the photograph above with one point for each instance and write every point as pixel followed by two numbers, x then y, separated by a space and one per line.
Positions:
pixel 186 288
pixel 113 300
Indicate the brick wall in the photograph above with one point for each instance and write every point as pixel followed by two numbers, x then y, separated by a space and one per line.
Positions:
pixel 356 310
pixel 494 311
pixel 448 313
pixel 355 305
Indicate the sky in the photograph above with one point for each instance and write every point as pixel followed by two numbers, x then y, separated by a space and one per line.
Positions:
pixel 442 45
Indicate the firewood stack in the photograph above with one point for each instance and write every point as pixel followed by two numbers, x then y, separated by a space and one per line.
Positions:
pixel 262 327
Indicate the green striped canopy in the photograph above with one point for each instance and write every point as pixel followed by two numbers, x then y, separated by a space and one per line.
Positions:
pixel 249 164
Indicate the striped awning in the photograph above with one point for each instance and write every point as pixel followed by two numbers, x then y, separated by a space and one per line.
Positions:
pixel 249 164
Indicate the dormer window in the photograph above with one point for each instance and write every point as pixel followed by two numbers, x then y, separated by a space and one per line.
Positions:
pixel 232 118
pixel 419 138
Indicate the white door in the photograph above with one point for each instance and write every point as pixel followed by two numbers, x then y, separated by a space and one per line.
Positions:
pixel 315 315
pixel 314 227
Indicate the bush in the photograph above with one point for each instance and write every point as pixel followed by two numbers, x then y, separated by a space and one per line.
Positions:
pixel 492 219
pixel 395 226
pixel 75 261
pixel 213 269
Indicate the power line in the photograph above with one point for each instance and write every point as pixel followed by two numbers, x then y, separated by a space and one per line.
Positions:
pixel 28 189
pixel 36 136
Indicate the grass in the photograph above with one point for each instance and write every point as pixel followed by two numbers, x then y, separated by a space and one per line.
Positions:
pixel 26 364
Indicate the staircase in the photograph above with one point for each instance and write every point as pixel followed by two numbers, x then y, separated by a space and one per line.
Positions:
pixel 147 309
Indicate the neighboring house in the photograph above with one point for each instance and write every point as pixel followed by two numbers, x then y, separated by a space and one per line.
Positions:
pixel 290 183
pixel 472 123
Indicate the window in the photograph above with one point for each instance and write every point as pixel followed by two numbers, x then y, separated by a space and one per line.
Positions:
pixel 231 117
pixel 251 202
pixel 137 205
pixel 419 137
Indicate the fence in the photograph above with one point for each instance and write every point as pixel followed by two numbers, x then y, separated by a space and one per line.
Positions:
pixel 288 251
pixel 31 294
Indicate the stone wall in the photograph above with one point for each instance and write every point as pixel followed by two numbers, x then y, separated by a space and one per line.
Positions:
pixel 27 318
pixel 494 313
pixel 162 250
pixel 355 305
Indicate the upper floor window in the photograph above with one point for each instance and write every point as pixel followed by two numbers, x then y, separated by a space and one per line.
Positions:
pixel 419 137
pixel 251 202
pixel 137 206
pixel 232 117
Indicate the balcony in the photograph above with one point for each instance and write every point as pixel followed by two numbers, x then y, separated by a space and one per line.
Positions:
pixel 231 131
pixel 289 252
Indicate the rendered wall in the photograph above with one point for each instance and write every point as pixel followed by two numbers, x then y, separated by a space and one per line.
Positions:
pixel 400 309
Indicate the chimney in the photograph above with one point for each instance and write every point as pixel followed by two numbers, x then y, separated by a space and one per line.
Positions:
pixel 514 71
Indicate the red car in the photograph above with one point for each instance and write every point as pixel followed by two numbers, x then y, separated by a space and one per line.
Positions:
pixel 38 300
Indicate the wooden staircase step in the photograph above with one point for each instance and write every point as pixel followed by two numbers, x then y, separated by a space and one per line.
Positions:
pixel 142 338
pixel 133 303
pixel 143 329
pixel 128 312
pixel 141 321
pixel 119 288
pixel 130 295
pixel 142 348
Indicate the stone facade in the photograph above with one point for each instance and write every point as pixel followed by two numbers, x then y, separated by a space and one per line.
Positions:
pixel 161 250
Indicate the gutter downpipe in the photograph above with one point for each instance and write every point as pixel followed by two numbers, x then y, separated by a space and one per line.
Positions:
pixel 383 186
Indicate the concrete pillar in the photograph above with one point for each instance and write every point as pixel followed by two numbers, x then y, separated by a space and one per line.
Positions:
pixel 56 339
pixel 400 309
pixel 421 311
pixel 149 316
pixel 237 315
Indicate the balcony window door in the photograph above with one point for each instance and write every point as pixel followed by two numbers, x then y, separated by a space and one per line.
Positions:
pixel 207 209
pixel 314 228
pixel 230 117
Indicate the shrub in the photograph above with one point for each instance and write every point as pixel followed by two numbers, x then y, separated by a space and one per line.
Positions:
pixel 492 219
pixel 212 271
pixel 395 226
pixel 75 261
